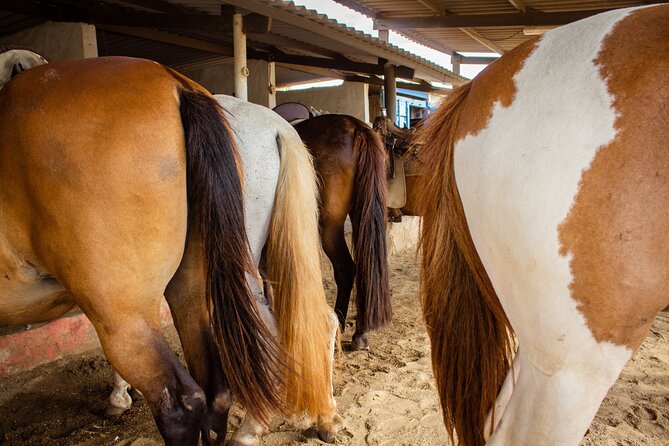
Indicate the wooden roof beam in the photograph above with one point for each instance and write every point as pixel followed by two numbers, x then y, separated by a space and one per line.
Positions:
pixel 518 4
pixel 433 5
pixel 529 18
pixel 483 41
pixel 332 64
pixel 170 38
pixel 104 15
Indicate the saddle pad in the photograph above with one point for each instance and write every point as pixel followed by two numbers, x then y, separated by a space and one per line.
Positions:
pixel 397 189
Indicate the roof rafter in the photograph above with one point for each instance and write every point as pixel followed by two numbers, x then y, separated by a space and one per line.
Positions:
pixel 483 41
pixel 529 18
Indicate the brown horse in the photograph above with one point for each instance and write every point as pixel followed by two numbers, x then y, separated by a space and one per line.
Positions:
pixel 546 212
pixel 351 161
pixel 119 182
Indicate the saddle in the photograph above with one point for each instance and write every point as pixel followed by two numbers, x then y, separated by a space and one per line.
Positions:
pixel 403 162
pixel 293 112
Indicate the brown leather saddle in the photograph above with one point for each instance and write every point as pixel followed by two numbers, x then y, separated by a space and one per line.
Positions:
pixel 403 162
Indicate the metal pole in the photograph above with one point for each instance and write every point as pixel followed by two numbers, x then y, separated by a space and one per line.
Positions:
pixel 240 68
pixel 390 90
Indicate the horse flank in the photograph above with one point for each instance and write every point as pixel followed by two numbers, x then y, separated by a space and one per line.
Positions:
pixel 303 317
pixel 253 362
pixel 368 218
pixel 472 349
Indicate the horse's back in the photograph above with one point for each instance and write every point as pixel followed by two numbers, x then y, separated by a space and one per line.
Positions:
pixel 92 169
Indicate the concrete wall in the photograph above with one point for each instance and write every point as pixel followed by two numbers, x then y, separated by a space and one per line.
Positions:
pixel 218 79
pixel 350 98
pixel 57 41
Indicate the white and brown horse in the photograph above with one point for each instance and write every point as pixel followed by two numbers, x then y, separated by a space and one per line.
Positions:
pixel 120 182
pixel 546 212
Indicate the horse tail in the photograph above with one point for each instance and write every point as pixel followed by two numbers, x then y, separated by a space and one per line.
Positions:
pixel 304 319
pixel 253 362
pixel 368 218
pixel 471 337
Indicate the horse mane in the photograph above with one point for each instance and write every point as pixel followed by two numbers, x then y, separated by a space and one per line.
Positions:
pixel 472 343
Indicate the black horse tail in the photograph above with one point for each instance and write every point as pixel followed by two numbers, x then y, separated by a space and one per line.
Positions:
pixel 252 360
pixel 368 218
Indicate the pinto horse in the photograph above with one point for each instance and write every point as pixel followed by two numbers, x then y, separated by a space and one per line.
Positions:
pixel 351 161
pixel 121 182
pixel 546 213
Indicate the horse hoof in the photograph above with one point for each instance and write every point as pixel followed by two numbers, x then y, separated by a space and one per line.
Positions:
pixel 114 412
pixel 359 342
pixel 326 436
pixel 135 394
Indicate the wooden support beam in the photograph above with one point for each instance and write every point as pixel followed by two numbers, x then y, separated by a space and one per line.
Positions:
pixel 529 18
pixel 314 70
pixel 156 5
pixel 373 80
pixel 287 42
pixel 518 4
pixel 102 14
pixel 345 65
pixel 433 5
pixel 482 60
pixel 172 39
pixel 483 41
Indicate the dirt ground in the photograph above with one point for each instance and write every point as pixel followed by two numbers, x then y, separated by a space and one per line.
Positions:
pixel 385 395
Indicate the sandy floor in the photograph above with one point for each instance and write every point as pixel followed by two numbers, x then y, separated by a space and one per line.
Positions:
pixel 386 395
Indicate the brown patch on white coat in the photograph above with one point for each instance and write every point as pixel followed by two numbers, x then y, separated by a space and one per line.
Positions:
pixel 618 228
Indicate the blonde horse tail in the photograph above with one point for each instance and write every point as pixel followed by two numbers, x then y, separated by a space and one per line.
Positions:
pixel 368 218
pixel 471 337
pixel 302 314
pixel 253 362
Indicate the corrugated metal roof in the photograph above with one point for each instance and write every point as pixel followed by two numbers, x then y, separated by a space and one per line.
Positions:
pixel 455 39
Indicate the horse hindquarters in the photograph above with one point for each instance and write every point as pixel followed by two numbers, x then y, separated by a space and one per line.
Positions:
pixel 570 220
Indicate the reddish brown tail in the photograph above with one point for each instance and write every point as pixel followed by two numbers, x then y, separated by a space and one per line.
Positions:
pixel 252 361
pixel 471 337
pixel 369 228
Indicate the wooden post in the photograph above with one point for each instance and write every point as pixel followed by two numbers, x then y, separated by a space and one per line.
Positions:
pixel 240 68
pixel 390 90
pixel 455 60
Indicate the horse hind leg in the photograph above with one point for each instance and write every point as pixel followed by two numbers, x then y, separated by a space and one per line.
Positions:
pixel 329 424
pixel 335 247
pixel 503 397
pixel 135 346
pixel 555 406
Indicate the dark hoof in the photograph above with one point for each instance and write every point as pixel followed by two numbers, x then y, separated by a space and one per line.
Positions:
pixel 359 342
pixel 326 436
pixel 135 394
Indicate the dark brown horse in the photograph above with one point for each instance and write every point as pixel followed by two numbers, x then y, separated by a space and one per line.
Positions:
pixel 351 161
